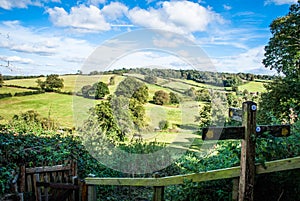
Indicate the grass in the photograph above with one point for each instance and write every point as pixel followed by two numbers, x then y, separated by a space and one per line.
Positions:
pixel 58 106
pixel 253 86
pixel 66 109
pixel 12 90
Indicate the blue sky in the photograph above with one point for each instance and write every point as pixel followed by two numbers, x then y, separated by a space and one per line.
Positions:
pixel 57 36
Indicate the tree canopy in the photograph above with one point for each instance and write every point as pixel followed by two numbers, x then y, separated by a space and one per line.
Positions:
pixel 283 54
pixel 52 82
pixel 283 50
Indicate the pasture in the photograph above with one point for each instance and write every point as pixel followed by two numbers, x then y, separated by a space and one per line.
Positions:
pixel 69 110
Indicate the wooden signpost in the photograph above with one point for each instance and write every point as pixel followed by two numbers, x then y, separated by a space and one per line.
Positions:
pixel 248 133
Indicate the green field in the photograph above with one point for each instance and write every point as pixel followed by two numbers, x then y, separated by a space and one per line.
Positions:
pixel 12 90
pixel 253 86
pixel 69 110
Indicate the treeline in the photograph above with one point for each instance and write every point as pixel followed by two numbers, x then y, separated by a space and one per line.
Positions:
pixel 213 78
pixel 23 93
pixel 16 77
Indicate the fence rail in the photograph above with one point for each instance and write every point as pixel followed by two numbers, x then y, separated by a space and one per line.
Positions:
pixel 227 173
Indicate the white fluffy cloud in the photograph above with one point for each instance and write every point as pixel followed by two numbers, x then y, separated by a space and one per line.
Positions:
pixel 179 16
pixel 249 61
pixel 84 18
pixel 280 2
pixel 182 17
pixel 46 53
pixel 9 4
pixel 114 10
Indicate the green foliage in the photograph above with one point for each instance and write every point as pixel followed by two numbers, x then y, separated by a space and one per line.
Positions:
pixel 97 91
pixel 112 80
pixel 102 117
pixel 163 124
pixel 1 80
pixel 232 81
pixel 131 88
pixel 203 95
pixel 283 49
pixel 101 89
pixel 52 83
pixel 174 98
pixel 5 95
pixel 31 121
pixel 161 97
pixel 151 79
pixel 204 117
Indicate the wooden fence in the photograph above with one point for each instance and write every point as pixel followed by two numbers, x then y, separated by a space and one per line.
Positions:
pixel 160 183
pixel 243 175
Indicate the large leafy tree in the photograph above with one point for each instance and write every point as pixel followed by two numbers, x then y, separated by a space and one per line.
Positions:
pixel 132 88
pixel 283 50
pixel 283 54
pixel 52 82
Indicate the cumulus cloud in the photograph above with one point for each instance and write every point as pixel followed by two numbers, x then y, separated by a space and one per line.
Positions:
pixel 84 18
pixel 95 2
pixel 280 2
pixel 114 10
pixel 63 53
pixel 179 16
pixel 182 17
pixel 9 4
pixel 248 61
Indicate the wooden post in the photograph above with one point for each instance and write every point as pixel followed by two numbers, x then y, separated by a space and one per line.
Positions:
pixel 92 196
pixel 158 194
pixel 246 184
pixel 235 189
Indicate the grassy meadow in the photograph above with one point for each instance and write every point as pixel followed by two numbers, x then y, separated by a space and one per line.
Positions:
pixel 69 111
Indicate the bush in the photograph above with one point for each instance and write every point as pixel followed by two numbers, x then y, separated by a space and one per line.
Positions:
pixel 5 95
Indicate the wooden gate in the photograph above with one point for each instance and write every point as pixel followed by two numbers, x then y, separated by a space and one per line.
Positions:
pixel 50 183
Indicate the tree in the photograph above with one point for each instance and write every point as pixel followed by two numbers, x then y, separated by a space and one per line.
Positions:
pixel 174 98
pixel 151 79
pixel 283 50
pixel 163 125
pixel 101 89
pixel 204 117
pixel 86 91
pixel 1 80
pixel 283 54
pixel 161 97
pixel 97 91
pixel 112 80
pixel 52 83
pixel 131 88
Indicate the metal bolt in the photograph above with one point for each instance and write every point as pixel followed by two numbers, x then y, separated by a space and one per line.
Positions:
pixel 258 129
pixel 253 107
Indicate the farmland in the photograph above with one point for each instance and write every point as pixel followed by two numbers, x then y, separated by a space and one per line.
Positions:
pixel 60 106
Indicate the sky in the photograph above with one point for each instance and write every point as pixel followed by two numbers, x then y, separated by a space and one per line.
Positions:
pixel 64 36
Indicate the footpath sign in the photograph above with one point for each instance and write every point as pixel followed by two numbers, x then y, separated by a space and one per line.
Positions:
pixel 248 133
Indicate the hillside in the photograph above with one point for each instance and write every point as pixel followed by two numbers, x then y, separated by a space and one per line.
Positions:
pixel 61 107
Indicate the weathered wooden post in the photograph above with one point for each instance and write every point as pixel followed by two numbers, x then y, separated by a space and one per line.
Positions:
pixel 158 194
pixel 246 184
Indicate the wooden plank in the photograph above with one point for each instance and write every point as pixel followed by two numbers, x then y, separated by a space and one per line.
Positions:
pixel 278 165
pixel 220 133
pixel 37 189
pixel 247 175
pixel 235 114
pixel 235 189
pixel 166 181
pixel 22 179
pixel 48 169
pixel 276 130
pixel 57 185
pixel 227 173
